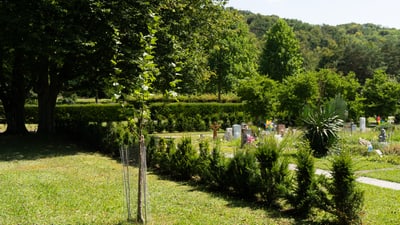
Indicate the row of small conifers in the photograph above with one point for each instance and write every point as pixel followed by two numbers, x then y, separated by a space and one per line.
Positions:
pixel 262 174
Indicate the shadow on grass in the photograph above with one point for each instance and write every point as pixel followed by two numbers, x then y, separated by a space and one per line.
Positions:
pixel 276 211
pixel 34 146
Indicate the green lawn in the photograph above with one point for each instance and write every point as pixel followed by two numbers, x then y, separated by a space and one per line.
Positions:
pixel 68 185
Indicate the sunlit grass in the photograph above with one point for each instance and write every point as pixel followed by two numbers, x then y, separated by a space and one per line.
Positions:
pixel 88 189
pixel 381 205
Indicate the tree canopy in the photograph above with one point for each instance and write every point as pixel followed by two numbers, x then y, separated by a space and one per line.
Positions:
pixel 49 48
pixel 280 57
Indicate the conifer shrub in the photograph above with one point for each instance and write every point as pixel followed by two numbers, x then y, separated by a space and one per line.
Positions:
pixel 244 174
pixel 218 166
pixel 305 195
pixel 347 199
pixel 275 180
pixel 183 160
pixel 151 151
pixel 203 162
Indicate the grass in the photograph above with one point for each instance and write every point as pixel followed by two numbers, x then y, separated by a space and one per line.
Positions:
pixel 65 184
pixel 381 205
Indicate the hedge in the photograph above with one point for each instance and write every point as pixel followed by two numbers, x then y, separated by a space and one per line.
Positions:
pixel 164 116
pixel 79 113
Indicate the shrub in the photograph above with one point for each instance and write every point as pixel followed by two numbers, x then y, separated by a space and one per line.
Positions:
pixel 183 160
pixel 305 191
pixel 243 173
pixel 203 163
pixel 151 158
pixel 346 198
pixel 322 127
pixel 217 169
pixel 274 169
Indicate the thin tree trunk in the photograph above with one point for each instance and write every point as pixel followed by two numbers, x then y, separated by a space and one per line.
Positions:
pixel 141 218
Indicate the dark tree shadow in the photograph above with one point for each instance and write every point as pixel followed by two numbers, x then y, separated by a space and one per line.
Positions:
pixel 34 146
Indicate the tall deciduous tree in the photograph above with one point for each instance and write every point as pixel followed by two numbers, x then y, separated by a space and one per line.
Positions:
pixel 381 95
pixel 15 52
pixel 281 53
pixel 260 94
pixel 233 55
pixel 53 42
pixel 295 92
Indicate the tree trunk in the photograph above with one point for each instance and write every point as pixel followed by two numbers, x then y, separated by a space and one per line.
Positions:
pixel 48 87
pixel 141 211
pixel 15 116
pixel 46 105
pixel 13 99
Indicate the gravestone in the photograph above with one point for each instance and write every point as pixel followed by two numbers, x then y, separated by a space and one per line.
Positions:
pixel 281 129
pixel 382 135
pixel 237 131
pixel 362 124
pixel 228 134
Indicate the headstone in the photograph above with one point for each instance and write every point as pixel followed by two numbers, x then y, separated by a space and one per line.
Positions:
pixel 362 124
pixel 281 129
pixel 353 127
pixel 246 133
pixel 237 131
pixel 228 134
pixel 382 135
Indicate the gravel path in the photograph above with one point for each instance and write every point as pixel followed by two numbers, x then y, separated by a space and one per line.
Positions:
pixel 365 180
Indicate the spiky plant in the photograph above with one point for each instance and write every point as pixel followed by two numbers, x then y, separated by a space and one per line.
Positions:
pixel 322 126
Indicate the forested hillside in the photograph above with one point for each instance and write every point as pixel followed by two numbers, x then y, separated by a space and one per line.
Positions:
pixel 360 48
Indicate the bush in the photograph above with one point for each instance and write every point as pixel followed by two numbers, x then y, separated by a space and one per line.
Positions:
pixel 244 174
pixel 347 200
pixel 183 160
pixel 322 127
pixel 203 161
pixel 215 166
pixel 274 169
pixel 305 191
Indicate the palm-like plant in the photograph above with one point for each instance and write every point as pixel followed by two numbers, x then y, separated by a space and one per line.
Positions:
pixel 322 125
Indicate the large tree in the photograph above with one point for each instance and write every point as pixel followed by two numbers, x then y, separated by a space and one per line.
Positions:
pixel 281 56
pixel 47 44
pixel 233 55
pixel 381 95
pixel 15 52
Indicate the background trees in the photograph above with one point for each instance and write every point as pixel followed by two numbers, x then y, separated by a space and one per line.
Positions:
pixel 50 48
pixel 280 57
pixel 381 93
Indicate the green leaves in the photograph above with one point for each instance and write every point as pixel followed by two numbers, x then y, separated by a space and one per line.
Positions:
pixel 281 54
pixel 322 126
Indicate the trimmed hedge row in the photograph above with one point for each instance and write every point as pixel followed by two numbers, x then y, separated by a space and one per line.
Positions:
pixel 195 116
pixel 79 113
pixel 164 116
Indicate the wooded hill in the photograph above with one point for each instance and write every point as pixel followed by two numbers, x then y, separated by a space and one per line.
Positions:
pixel 360 48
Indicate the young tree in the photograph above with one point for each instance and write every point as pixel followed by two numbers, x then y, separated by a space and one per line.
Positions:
pixel 280 57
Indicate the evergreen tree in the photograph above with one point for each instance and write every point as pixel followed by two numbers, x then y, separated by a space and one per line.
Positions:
pixel 281 53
